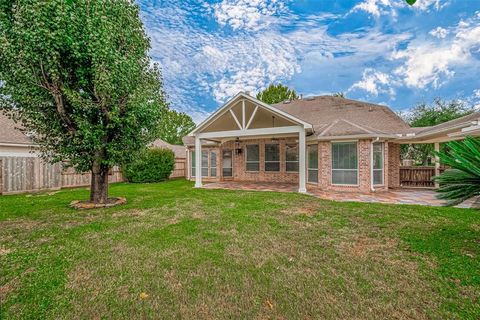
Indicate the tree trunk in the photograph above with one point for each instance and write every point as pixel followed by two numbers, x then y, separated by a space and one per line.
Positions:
pixel 99 184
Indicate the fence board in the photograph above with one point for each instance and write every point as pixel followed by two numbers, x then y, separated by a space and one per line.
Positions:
pixel 179 170
pixel 417 177
pixel 30 174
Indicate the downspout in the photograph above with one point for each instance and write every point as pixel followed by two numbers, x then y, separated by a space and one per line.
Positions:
pixel 372 188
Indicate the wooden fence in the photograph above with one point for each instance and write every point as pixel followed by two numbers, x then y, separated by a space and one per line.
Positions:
pixel 417 177
pixel 180 167
pixel 30 174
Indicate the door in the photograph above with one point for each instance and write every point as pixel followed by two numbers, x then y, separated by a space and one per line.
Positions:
pixel 227 163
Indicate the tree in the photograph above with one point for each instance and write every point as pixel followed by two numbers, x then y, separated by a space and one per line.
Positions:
pixel 424 115
pixel 175 126
pixel 339 94
pixel 462 180
pixel 76 74
pixel 277 93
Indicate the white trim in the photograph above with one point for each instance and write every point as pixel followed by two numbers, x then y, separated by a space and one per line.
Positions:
pixel 243 114
pixel 8 144
pixel 236 120
pixel 251 117
pixel 246 155
pixel 332 169
pixel 224 108
pixel 250 132
pixel 198 162
pixel 302 144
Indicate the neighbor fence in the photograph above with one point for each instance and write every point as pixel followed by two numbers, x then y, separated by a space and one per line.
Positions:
pixel 417 177
pixel 30 174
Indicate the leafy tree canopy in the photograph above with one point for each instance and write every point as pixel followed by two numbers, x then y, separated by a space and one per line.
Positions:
pixel 175 126
pixel 77 75
pixel 276 93
pixel 425 115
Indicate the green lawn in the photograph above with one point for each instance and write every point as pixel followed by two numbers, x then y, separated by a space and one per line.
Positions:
pixel 235 254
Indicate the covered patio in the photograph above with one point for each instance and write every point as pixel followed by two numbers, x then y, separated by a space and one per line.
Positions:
pixel 393 196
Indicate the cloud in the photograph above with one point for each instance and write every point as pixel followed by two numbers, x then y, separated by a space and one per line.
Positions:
pixel 389 7
pixel 431 63
pixel 476 93
pixel 439 33
pixel 374 82
pixel 251 15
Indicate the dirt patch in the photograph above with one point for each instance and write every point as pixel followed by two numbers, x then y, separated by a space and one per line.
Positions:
pixel 79 276
pixel 87 205
pixel 363 246
pixel 5 251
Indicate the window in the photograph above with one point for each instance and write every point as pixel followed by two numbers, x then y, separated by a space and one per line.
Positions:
pixel 291 157
pixel 204 163
pixel 378 163
pixel 192 163
pixel 312 153
pixel 252 157
pixel 213 164
pixel 227 162
pixel 272 157
pixel 344 163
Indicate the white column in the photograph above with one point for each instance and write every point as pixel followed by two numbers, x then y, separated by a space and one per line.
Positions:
pixel 198 162
pixel 302 161
pixel 437 162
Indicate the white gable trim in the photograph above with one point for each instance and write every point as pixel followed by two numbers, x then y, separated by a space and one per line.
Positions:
pixel 221 111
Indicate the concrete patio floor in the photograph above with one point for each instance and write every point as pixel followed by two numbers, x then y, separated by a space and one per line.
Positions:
pixel 394 196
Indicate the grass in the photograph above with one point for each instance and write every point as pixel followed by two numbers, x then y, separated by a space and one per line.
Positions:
pixel 178 252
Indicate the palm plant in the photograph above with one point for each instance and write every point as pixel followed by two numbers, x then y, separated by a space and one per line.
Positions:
pixel 462 180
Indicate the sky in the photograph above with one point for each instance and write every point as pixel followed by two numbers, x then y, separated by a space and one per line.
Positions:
pixel 380 51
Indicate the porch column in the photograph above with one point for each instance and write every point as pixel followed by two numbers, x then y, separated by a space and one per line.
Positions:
pixel 437 162
pixel 302 161
pixel 198 162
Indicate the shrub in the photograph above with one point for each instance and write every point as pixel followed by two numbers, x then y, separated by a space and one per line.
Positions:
pixel 152 165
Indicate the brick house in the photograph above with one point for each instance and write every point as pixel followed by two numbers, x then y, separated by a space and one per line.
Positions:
pixel 327 142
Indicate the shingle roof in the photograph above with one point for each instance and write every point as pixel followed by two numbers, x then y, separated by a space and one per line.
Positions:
pixel 9 132
pixel 180 151
pixel 336 116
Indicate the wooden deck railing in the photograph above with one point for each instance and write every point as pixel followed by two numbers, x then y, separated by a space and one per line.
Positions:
pixel 417 177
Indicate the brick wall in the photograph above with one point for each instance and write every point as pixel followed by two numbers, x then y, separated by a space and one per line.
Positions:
pixel 392 161
pixel 393 165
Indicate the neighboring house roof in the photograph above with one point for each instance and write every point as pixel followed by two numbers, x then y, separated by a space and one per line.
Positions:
pixel 9 132
pixel 180 151
pixel 336 116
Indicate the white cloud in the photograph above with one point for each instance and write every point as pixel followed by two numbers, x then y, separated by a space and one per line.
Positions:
pixel 389 7
pixel 248 14
pixel 439 33
pixel 374 82
pixel 476 93
pixel 431 63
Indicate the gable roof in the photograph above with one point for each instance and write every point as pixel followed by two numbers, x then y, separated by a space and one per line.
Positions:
pixel 242 95
pixel 9 132
pixel 336 116
pixel 180 151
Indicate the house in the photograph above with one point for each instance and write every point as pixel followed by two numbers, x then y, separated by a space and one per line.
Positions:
pixel 13 142
pixel 325 142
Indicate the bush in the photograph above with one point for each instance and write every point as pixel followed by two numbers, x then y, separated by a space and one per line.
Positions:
pixel 152 165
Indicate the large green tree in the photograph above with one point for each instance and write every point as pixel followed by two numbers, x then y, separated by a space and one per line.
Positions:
pixel 76 74
pixel 276 93
pixel 425 115
pixel 175 126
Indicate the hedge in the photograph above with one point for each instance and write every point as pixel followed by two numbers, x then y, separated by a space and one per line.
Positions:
pixel 152 165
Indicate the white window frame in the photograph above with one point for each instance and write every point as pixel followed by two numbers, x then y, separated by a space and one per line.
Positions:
pixel 211 152
pixel 192 163
pixel 332 169
pixel 247 161
pixel 265 159
pixel 383 164
pixel 208 163
pixel 289 161
pixel 308 164
pixel 232 165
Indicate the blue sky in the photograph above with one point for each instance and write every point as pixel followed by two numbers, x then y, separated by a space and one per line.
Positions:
pixel 381 51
